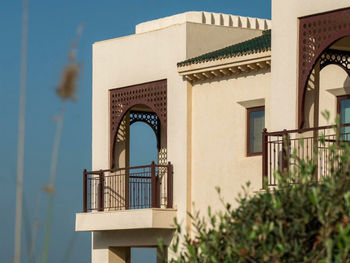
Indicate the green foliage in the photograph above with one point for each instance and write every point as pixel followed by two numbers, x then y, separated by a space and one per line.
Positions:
pixel 304 221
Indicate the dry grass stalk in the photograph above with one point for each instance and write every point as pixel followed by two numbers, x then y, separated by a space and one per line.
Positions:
pixel 21 133
pixel 66 91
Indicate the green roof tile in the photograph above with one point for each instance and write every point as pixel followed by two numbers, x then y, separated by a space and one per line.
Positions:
pixel 255 45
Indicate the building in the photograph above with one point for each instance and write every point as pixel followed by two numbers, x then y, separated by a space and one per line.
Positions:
pixel 208 84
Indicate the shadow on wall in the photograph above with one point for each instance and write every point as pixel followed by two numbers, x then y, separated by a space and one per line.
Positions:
pixel 347 85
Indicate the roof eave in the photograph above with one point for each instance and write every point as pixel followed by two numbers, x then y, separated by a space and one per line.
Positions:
pixel 226 66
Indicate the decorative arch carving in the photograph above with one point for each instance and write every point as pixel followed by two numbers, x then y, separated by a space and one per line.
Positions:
pixel 151 94
pixel 150 118
pixel 336 57
pixel 317 33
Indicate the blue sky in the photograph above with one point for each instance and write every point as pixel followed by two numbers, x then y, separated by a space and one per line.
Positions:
pixel 52 26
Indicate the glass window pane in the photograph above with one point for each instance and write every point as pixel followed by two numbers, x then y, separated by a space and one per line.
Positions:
pixel 345 115
pixel 257 124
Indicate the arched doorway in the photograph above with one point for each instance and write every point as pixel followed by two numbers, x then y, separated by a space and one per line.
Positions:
pixel 143 145
pixel 325 97
pixel 125 186
pixel 324 84
pixel 143 102
pixel 321 92
pixel 317 34
pixel 140 116
pixel 135 154
pixel 130 184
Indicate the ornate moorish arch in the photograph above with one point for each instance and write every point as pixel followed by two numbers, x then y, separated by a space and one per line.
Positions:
pixel 152 95
pixel 149 118
pixel 336 57
pixel 316 34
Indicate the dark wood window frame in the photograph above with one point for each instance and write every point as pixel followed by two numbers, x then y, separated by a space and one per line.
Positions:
pixel 340 99
pixel 249 111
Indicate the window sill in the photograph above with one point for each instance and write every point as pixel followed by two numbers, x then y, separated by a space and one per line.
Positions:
pixel 254 154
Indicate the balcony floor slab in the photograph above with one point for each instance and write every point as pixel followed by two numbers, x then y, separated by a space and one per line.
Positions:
pixel 151 218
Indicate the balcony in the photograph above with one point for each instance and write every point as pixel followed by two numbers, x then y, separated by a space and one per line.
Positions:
pixel 139 187
pixel 311 144
pixel 139 197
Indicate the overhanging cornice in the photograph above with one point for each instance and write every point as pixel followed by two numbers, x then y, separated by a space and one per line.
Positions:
pixel 226 66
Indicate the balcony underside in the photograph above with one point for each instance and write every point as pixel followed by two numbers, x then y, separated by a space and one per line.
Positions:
pixel 151 218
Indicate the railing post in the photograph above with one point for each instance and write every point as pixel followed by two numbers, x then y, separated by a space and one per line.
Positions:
pixel 101 191
pixel 285 146
pixel 153 185
pixel 85 191
pixel 315 152
pixel 337 133
pixel 157 187
pixel 127 187
pixel 169 186
pixel 264 156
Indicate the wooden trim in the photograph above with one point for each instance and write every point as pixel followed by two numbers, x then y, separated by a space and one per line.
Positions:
pixel 121 100
pixel 249 111
pixel 316 27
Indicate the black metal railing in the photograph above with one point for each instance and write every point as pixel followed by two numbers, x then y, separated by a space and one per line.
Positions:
pixel 305 144
pixel 149 186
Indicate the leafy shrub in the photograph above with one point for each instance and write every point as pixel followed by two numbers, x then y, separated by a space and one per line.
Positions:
pixel 304 221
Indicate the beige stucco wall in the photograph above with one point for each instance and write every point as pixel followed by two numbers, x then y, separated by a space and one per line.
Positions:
pixel 104 240
pixel 219 137
pixel 147 57
pixel 285 14
pixel 334 81
pixel 132 60
pixel 208 18
pixel 202 38
pixel 206 122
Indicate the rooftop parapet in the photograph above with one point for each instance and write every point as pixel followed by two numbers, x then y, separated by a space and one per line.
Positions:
pixel 207 18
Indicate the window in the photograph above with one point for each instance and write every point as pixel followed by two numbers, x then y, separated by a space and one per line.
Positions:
pixel 255 126
pixel 343 108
